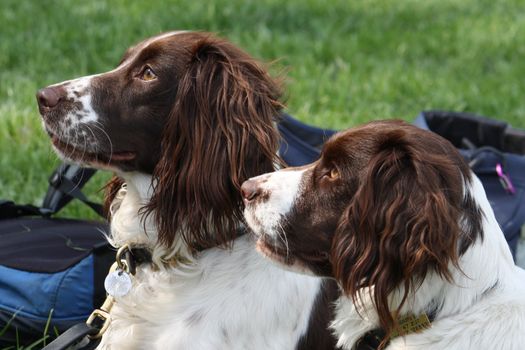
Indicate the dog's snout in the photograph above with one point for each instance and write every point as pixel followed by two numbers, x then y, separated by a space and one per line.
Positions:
pixel 250 189
pixel 49 97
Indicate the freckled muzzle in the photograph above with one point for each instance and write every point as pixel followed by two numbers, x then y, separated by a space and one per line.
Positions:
pixel 268 201
pixel 73 126
pixel 269 204
pixel 61 107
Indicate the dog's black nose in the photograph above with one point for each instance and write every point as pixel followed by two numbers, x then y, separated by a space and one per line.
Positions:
pixel 250 190
pixel 49 97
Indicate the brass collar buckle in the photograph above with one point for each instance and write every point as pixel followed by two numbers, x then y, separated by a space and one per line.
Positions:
pixel 100 318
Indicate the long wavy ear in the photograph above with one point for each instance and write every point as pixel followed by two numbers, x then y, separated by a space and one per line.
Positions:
pixel 221 132
pixel 404 220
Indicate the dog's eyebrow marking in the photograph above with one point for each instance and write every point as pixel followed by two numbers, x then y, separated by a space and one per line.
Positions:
pixel 128 57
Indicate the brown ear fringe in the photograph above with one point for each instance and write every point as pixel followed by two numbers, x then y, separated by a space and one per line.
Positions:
pixel 221 132
pixel 403 221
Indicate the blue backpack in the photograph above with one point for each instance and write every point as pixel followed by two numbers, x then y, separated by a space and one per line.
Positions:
pixel 496 153
pixel 51 270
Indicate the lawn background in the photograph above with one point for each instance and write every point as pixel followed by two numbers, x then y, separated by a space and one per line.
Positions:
pixel 346 62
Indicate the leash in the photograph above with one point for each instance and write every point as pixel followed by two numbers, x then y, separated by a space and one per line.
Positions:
pixel 86 336
pixel 74 336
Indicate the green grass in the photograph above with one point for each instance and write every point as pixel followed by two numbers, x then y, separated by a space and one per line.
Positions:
pixel 346 62
pixel 20 344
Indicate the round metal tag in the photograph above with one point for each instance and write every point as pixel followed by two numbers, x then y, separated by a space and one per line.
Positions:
pixel 117 283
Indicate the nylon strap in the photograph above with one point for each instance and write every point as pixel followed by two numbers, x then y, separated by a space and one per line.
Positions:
pixel 69 188
pixel 74 336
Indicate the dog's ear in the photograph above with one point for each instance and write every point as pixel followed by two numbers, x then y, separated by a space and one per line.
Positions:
pixel 403 221
pixel 221 132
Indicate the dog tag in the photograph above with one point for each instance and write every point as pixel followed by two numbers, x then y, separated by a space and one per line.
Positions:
pixel 117 283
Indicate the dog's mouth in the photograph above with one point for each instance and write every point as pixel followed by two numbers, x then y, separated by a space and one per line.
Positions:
pixel 82 155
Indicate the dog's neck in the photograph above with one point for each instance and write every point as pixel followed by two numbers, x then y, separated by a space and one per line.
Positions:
pixel 487 264
pixel 130 225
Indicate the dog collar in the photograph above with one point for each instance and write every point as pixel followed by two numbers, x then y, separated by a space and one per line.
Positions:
pixel 406 325
pixel 129 257
pixel 132 257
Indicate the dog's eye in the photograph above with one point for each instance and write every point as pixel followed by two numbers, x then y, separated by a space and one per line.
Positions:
pixel 148 74
pixel 333 174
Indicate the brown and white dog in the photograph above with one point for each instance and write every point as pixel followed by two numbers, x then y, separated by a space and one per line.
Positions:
pixel 183 120
pixel 394 214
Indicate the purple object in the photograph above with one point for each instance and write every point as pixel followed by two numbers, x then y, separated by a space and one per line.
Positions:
pixel 505 180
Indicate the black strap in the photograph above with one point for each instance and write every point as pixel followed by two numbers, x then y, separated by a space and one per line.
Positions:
pixel 103 258
pixel 72 189
pixel 74 336
pixel 10 210
pixel 65 183
pixel 135 257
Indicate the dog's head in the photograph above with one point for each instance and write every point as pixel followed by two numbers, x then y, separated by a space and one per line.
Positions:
pixel 385 204
pixel 189 108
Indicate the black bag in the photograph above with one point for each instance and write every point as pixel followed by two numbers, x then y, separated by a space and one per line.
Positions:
pixel 300 143
pixel 51 270
pixel 496 153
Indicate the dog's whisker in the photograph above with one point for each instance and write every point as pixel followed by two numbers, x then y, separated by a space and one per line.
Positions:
pixel 101 128
pixel 282 235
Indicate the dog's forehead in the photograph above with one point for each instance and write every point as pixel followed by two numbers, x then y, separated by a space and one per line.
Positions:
pixel 362 138
pixel 342 144
pixel 353 147
pixel 132 52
